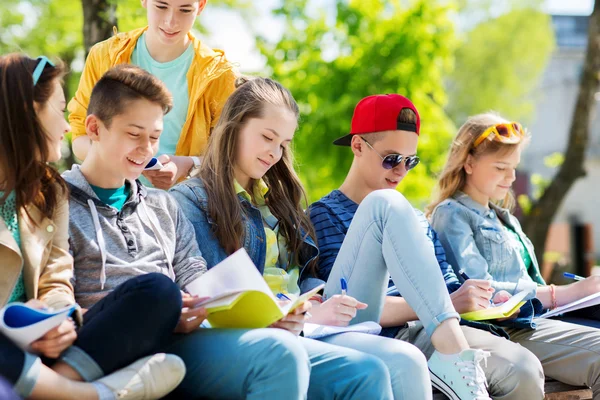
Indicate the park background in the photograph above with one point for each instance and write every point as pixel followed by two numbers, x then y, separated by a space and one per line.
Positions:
pixel 453 58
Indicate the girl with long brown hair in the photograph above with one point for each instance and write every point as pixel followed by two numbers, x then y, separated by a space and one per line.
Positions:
pixel 248 195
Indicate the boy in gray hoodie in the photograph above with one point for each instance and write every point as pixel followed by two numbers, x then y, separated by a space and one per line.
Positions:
pixel 121 231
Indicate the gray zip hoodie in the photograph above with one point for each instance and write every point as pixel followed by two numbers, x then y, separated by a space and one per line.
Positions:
pixel 150 234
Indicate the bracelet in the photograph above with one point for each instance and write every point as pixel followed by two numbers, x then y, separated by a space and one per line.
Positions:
pixel 553 297
pixel 317 297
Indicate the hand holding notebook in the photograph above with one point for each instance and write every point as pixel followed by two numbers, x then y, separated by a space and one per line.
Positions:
pixel 503 310
pixel 24 324
pixel 239 297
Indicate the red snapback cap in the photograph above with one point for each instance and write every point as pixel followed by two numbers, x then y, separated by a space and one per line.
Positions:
pixel 380 113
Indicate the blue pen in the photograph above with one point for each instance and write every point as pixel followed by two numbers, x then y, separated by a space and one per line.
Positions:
pixel 282 296
pixel 344 286
pixel 573 276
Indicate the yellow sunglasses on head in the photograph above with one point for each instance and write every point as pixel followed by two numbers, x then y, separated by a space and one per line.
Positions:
pixel 510 133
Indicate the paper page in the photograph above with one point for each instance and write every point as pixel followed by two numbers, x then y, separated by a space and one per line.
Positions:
pixel 588 301
pixel 235 274
pixel 289 307
pixel 24 325
pixel 498 311
pixel 315 331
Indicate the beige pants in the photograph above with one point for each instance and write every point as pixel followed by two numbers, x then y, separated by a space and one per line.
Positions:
pixel 567 352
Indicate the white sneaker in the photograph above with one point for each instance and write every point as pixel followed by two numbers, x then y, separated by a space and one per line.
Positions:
pixel 148 378
pixel 460 376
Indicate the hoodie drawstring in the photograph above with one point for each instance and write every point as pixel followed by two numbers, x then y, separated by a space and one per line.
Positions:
pixel 159 237
pixel 101 243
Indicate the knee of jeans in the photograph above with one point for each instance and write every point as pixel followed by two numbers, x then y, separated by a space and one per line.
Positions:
pixel 407 361
pixel 385 199
pixel 368 367
pixel 277 347
pixel 160 294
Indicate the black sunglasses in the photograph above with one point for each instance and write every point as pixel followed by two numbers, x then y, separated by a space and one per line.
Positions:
pixel 391 161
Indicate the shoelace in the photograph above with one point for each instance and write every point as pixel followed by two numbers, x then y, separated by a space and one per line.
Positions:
pixel 474 374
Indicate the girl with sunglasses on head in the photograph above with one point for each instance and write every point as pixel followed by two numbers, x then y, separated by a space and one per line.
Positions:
pixel 471 214
pixel 473 211
pixel 37 268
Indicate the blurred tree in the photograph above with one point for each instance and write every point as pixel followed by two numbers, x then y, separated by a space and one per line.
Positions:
pixel 502 54
pixel 572 167
pixel 370 47
pixel 99 18
pixel 452 58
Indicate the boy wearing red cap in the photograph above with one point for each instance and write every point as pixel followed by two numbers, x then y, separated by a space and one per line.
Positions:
pixel 364 228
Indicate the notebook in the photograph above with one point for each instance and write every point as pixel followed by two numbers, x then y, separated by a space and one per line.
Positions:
pixel 239 297
pixel 316 331
pixel 588 301
pixel 24 325
pixel 498 311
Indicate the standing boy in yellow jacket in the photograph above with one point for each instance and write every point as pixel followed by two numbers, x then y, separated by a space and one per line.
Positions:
pixel 199 78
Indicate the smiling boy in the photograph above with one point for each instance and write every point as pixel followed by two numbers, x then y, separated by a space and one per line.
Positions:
pixel 199 78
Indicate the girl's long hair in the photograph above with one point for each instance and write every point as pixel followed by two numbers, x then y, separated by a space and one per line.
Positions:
pixel 23 141
pixel 286 195
pixel 453 177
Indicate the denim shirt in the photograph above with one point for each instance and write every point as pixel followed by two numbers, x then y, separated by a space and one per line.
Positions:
pixel 476 241
pixel 192 197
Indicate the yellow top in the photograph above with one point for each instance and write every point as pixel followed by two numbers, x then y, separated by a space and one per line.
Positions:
pixel 279 278
pixel 211 79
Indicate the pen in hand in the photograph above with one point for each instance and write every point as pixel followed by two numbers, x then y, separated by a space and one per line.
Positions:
pixel 282 296
pixel 573 276
pixel 344 285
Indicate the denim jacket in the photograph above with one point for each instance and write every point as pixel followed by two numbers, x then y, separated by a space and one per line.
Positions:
pixel 475 241
pixel 192 197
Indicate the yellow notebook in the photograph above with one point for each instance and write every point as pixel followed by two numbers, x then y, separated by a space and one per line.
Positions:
pixel 239 297
pixel 503 310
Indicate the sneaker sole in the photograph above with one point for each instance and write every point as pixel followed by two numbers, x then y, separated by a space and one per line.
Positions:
pixel 440 385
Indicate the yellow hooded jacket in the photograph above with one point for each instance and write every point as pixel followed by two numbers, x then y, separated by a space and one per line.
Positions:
pixel 211 79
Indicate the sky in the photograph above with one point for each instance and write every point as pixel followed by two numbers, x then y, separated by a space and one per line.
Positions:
pixel 230 31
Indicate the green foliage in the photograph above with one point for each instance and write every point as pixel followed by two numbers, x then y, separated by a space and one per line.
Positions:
pixel 371 47
pixel 539 183
pixel 500 60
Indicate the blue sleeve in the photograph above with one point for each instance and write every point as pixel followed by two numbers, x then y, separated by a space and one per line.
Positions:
pixel 209 245
pixel 452 282
pixel 456 235
pixel 330 234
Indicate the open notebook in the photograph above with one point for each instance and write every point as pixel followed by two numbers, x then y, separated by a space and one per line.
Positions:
pixel 588 301
pixel 24 325
pixel 498 311
pixel 238 295
pixel 315 331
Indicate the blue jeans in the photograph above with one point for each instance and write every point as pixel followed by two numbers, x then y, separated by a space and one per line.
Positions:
pixel 131 322
pixel 274 364
pixel 385 238
pixel 406 364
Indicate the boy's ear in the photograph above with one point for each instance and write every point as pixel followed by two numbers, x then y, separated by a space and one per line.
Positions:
pixel 469 164
pixel 144 3
pixel 92 127
pixel 201 5
pixel 356 144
